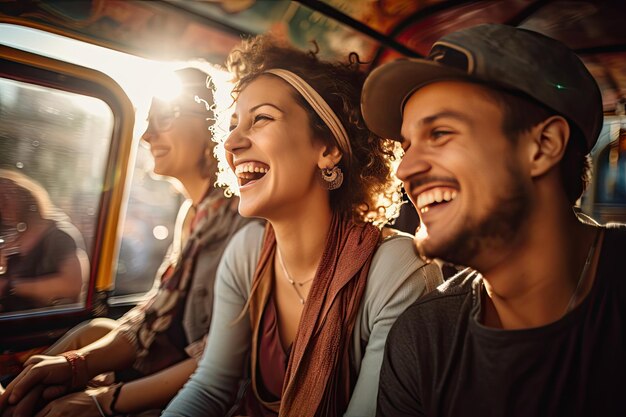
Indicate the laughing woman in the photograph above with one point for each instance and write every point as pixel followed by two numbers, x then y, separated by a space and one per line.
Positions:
pixel 310 298
pixel 155 347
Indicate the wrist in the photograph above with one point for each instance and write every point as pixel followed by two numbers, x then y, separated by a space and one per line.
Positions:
pixel 78 369
pixel 109 399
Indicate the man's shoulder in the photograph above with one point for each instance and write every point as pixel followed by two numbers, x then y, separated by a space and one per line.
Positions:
pixel 616 230
pixel 442 305
pixel 613 243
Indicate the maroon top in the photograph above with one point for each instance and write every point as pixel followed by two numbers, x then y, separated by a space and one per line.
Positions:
pixel 272 364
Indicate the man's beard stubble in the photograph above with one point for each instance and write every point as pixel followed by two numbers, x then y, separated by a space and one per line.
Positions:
pixel 499 226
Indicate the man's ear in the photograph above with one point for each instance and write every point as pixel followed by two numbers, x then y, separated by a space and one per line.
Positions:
pixel 549 140
pixel 330 156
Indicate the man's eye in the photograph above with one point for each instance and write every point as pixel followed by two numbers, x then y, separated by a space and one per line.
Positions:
pixel 232 127
pixel 439 133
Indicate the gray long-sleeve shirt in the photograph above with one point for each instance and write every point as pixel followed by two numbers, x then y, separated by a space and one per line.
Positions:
pixel 397 277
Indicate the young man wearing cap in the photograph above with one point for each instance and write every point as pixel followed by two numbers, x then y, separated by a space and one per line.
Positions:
pixel 496 124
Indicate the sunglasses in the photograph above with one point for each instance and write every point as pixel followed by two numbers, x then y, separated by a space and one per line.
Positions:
pixel 162 120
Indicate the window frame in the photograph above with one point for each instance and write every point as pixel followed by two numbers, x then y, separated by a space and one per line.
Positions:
pixel 38 70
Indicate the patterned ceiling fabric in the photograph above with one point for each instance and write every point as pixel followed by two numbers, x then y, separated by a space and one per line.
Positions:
pixel 379 30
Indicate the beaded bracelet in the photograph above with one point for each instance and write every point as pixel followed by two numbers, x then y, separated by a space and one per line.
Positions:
pixel 79 368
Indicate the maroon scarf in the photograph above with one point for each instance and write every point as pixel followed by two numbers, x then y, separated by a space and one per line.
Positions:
pixel 318 381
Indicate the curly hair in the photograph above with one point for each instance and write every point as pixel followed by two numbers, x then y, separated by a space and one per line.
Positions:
pixel 370 192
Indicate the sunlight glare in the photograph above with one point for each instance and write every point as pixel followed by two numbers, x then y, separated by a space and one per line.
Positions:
pixel 141 78
pixel 167 87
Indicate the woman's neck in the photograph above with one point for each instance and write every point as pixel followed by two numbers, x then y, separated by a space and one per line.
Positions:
pixel 301 241
pixel 195 188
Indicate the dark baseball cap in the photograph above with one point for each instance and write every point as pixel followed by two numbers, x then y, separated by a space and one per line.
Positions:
pixel 500 56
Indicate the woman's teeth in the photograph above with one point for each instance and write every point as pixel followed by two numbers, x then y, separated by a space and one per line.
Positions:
pixel 250 171
pixel 250 168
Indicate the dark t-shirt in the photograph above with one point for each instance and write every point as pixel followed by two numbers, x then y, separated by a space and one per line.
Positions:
pixel 440 361
pixel 46 257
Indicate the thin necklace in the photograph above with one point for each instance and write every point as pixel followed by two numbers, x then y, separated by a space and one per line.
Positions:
pixel 293 283
pixel 581 278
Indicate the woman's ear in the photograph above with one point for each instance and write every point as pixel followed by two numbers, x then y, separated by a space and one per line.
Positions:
pixel 549 140
pixel 330 156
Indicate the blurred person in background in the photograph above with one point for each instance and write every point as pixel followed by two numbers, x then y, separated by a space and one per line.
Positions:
pixel 42 255
pixel 162 339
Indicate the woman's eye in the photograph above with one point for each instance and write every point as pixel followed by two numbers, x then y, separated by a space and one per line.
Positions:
pixel 260 117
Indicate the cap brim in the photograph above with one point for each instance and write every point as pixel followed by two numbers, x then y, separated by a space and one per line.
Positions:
pixel 388 86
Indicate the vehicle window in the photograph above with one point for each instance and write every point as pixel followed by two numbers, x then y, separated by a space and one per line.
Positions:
pixel 148 229
pixel 62 141
pixel 54 146
pixel 609 189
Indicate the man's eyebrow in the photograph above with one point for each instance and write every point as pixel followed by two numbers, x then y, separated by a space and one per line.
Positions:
pixel 445 114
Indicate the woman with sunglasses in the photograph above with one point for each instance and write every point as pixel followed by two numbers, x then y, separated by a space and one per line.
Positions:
pixel 162 339
pixel 311 297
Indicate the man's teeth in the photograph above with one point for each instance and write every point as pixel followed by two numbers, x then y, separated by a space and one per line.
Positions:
pixel 239 169
pixel 435 195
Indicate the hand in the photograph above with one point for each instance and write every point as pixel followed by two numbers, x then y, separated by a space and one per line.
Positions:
pixel 77 404
pixel 26 407
pixel 44 378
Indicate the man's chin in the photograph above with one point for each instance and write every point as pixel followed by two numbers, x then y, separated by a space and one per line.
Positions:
pixel 456 251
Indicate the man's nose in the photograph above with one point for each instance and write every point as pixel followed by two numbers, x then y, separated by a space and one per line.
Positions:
pixel 413 163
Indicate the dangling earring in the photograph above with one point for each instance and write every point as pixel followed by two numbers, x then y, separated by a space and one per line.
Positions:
pixel 333 177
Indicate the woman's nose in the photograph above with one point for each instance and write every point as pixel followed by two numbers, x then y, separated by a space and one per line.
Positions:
pixel 236 141
pixel 148 134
